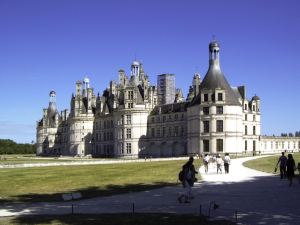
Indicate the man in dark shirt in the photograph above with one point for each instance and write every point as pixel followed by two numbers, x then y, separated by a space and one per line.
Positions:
pixel 282 165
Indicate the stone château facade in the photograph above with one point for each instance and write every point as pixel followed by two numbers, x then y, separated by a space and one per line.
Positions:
pixel 130 119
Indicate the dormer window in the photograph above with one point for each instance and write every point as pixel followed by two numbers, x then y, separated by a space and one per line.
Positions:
pixel 246 108
pixel 130 95
pixel 205 97
pixel 220 96
pixel 253 108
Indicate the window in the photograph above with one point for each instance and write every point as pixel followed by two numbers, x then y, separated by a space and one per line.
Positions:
pixel 152 119
pixel 205 110
pixel 219 125
pixel 219 109
pixel 164 118
pixel 128 148
pixel 176 117
pixel 122 119
pixel 246 108
pixel 164 131
pixel 130 105
pixel 152 132
pixel 206 97
pixel 253 108
pixel 254 146
pixel 254 130
pixel 158 132
pixel 130 95
pixel 122 134
pixel 220 145
pixel 205 126
pixel 176 131
pixel 246 130
pixel 121 148
pixel 246 145
pixel 182 131
pixel 170 131
pixel 246 117
pixel 128 119
pixel 254 118
pixel 220 96
pixel 128 133
pixel 206 145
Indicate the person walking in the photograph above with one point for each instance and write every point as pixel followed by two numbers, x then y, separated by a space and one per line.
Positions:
pixel 290 168
pixel 226 162
pixel 282 165
pixel 219 161
pixel 189 177
pixel 205 162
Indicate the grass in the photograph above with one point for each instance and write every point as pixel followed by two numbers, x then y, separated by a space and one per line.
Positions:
pixel 49 183
pixel 115 219
pixel 20 159
pixel 267 164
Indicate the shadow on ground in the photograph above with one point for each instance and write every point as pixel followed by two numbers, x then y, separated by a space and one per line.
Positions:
pixel 117 219
pixel 89 192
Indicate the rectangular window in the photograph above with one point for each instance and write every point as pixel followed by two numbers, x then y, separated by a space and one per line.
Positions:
pixel 246 130
pixel 254 130
pixel 121 148
pixel 170 131
pixel 254 146
pixel 164 118
pixel 205 97
pixel 206 126
pixel 254 118
pixel 220 96
pixel 246 117
pixel 128 119
pixel 164 131
pixel 246 145
pixel 130 105
pixel 219 109
pixel 130 95
pixel 122 119
pixel 122 133
pixel 219 125
pixel 152 132
pixel 246 107
pixel 206 145
pixel 182 131
pixel 206 110
pixel 220 145
pixel 176 117
pixel 128 148
pixel 158 132
pixel 175 131
pixel 128 133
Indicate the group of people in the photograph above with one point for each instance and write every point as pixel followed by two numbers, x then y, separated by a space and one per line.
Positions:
pixel 187 176
pixel 218 161
pixel 287 167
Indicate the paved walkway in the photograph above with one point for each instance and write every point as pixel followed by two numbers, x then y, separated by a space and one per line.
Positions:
pixel 259 198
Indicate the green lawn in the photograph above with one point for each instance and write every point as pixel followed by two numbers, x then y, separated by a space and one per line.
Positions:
pixel 48 183
pixel 114 219
pixel 19 159
pixel 267 164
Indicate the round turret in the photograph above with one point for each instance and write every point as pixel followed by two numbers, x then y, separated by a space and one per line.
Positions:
pixel 52 93
pixel 135 63
pixel 86 80
pixel 255 98
pixel 213 45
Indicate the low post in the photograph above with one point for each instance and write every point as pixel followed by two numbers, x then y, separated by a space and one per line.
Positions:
pixel 200 210
pixel 132 208
pixel 72 209
pixel 236 216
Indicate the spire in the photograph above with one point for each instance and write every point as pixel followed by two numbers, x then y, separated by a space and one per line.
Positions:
pixel 214 54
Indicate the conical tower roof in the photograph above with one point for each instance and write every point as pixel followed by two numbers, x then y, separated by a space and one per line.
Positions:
pixel 215 79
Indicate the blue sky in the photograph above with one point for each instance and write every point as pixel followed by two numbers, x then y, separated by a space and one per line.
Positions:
pixel 47 45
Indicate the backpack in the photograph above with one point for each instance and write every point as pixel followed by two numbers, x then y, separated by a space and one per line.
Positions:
pixel 181 176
